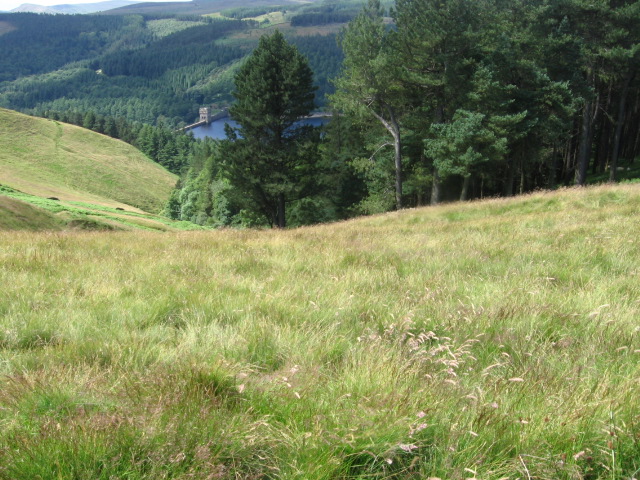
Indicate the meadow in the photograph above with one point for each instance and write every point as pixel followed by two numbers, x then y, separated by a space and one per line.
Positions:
pixel 491 340
pixel 58 176
pixel 47 158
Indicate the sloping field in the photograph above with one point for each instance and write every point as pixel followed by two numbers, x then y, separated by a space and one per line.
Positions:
pixel 17 215
pixel 22 211
pixel 51 159
pixel 490 340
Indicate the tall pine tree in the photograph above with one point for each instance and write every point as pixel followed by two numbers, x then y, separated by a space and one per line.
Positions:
pixel 270 157
pixel 368 84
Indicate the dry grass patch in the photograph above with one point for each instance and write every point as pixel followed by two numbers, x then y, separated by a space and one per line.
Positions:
pixel 6 27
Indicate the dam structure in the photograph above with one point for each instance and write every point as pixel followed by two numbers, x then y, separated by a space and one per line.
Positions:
pixel 206 118
pixel 213 125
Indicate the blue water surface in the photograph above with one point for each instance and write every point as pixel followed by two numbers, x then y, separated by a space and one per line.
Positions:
pixel 216 128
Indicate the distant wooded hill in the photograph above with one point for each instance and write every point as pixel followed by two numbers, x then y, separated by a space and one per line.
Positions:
pixel 200 7
pixel 141 67
pixel 84 8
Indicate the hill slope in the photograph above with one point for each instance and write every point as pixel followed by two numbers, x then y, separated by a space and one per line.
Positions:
pixel 52 159
pixel 201 7
pixel 54 175
pixel 489 340
pixel 18 215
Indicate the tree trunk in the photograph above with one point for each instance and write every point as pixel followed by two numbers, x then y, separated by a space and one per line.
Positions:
pixel 508 183
pixel 465 188
pixel 521 173
pixel 435 187
pixel 435 184
pixel 602 136
pixel 397 144
pixel 281 211
pixel 553 169
pixel 636 143
pixel 584 153
pixel 568 160
pixel 393 127
pixel 602 139
pixel 613 165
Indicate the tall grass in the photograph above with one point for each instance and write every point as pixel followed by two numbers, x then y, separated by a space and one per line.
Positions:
pixel 497 339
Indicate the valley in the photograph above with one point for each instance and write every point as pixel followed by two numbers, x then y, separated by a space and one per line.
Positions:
pixel 439 281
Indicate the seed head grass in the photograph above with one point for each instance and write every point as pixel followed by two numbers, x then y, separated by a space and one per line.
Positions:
pixel 490 340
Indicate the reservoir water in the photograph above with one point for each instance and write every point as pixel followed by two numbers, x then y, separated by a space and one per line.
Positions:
pixel 216 128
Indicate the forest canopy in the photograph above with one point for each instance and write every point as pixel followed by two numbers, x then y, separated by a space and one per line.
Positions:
pixel 461 99
pixel 433 100
pixel 490 97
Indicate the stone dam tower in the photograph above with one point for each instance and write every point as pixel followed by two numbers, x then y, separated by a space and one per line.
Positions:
pixel 205 114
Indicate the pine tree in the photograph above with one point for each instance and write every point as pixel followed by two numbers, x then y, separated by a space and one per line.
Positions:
pixel 369 83
pixel 269 157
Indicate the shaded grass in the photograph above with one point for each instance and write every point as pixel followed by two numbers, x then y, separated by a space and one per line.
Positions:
pixel 17 215
pixel 497 339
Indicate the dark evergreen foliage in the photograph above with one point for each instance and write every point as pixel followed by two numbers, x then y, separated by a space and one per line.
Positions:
pixel 320 18
pixel 325 59
pixel 249 12
pixel 270 158
pixel 495 97
pixel 42 43
pixel 325 13
pixel 190 47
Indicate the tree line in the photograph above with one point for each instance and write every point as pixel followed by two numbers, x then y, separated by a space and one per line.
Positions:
pixel 491 97
pixel 439 100
pixel 320 18
pixel 240 13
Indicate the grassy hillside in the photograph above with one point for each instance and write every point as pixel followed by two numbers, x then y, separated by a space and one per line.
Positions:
pixel 18 215
pixel 490 340
pixel 54 175
pixel 22 211
pixel 47 158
